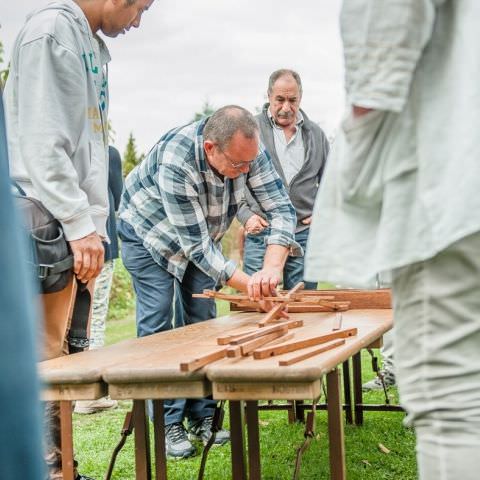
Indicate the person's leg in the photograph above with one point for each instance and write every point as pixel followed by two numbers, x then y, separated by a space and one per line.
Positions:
pixel 197 310
pixel 254 252
pixel 293 271
pixel 388 366
pixel 101 297
pixel 154 288
pixel 437 358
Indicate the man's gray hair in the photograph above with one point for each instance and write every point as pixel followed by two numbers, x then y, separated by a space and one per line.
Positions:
pixel 227 121
pixel 284 72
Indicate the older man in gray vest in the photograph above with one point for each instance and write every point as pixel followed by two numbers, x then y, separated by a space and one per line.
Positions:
pixel 299 149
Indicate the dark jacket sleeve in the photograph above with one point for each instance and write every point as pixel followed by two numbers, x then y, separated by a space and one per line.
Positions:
pixel 115 181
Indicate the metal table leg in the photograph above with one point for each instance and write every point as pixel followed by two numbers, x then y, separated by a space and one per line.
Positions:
pixel 335 427
pixel 66 439
pixel 159 436
pixel 357 388
pixel 143 470
pixel 254 459
pixel 239 471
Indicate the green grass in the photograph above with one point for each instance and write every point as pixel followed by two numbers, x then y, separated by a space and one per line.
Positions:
pixel 96 435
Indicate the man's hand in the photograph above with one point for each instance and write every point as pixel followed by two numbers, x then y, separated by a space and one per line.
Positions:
pixel 360 111
pixel 307 221
pixel 255 224
pixel 88 256
pixel 263 284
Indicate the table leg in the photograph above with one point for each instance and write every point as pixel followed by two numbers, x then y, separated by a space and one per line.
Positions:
pixel 239 471
pixel 335 427
pixel 347 392
pixel 143 469
pixel 159 436
pixel 357 388
pixel 254 462
pixel 66 439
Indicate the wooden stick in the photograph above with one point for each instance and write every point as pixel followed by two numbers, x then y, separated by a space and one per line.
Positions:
pixel 259 333
pixel 317 351
pixel 199 362
pixel 234 351
pixel 272 314
pixel 294 307
pixel 225 340
pixel 300 344
pixel 248 347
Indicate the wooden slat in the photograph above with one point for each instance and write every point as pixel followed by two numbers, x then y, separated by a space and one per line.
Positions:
pixel 272 314
pixel 299 344
pixel 248 347
pixel 312 353
pixel 259 332
pixel 225 340
pixel 200 362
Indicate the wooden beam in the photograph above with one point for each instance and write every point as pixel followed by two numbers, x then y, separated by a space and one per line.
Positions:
pixel 312 353
pixel 259 332
pixel 248 347
pixel 200 362
pixel 300 344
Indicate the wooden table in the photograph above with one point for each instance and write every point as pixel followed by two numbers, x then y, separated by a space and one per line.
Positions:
pixel 148 368
pixel 252 380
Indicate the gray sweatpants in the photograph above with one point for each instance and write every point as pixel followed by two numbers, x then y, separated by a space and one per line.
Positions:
pixel 437 358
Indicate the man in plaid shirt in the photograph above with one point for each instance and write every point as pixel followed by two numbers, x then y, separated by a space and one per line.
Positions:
pixel 176 207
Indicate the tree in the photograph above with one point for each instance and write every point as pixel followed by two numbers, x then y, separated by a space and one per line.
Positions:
pixel 3 71
pixel 207 110
pixel 130 158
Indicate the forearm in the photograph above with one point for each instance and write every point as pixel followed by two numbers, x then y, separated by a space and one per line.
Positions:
pixel 275 257
pixel 239 280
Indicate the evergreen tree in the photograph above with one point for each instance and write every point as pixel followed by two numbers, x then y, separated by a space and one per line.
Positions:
pixel 3 71
pixel 207 110
pixel 130 157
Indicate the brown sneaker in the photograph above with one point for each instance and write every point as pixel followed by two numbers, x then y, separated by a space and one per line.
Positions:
pixel 85 407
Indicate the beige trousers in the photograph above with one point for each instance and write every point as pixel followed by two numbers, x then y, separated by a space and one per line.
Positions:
pixel 437 358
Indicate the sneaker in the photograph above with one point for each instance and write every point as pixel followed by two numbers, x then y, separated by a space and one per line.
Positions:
pixel 376 383
pixel 176 441
pixel 94 406
pixel 202 431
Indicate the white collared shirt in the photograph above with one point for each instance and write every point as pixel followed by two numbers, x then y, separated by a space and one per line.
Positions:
pixel 291 154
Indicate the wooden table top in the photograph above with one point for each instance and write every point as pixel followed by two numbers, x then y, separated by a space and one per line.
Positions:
pixel 250 379
pixel 151 365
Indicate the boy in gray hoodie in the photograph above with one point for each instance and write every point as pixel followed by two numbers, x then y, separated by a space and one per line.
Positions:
pixel 56 109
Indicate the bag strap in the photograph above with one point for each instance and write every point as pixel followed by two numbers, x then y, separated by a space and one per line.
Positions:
pixel 77 336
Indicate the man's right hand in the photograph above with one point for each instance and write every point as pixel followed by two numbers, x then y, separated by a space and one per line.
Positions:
pixel 255 224
pixel 88 256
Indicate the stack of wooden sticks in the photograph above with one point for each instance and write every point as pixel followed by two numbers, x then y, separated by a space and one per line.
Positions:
pixel 273 339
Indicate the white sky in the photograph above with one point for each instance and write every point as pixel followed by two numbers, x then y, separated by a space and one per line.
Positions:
pixel 188 51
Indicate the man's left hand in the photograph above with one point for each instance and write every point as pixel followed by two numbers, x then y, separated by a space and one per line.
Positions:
pixel 307 221
pixel 263 283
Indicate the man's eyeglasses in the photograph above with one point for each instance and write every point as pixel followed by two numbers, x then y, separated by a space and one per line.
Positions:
pixel 236 165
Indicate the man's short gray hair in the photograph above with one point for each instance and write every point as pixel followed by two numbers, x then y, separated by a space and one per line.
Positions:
pixel 227 121
pixel 284 72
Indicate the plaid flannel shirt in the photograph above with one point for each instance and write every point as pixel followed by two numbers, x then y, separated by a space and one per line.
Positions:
pixel 181 209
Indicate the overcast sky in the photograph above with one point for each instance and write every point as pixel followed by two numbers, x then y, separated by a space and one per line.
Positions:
pixel 189 51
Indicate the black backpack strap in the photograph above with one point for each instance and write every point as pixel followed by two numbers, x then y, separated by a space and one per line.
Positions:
pixel 77 336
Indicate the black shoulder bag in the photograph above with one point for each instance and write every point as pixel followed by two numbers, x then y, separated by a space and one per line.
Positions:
pixel 52 262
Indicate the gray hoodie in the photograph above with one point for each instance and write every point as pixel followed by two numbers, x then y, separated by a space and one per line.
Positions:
pixel 56 104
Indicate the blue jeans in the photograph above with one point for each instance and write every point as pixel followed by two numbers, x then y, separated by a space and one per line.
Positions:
pixel 254 253
pixel 155 289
